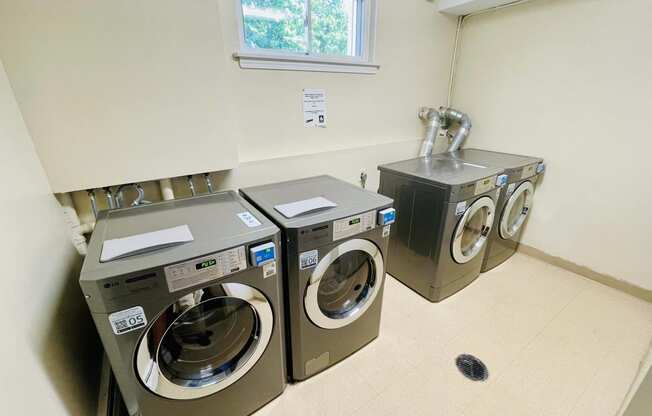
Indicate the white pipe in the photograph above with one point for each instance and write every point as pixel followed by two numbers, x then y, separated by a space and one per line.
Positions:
pixel 453 69
pixel 72 219
pixel 167 193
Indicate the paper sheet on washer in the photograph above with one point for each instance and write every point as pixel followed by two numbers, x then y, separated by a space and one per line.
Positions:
pixel 306 206
pixel 143 243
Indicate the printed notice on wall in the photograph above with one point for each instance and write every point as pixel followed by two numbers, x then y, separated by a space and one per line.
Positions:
pixel 314 108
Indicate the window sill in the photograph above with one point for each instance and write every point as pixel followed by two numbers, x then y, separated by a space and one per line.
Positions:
pixel 304 63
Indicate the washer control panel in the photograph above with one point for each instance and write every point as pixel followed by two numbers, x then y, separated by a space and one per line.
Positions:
pixel 485 185
pixel 356 224
pixel 204 269
pixel 529 171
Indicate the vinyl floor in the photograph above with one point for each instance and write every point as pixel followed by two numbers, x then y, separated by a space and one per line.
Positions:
pixel 554 343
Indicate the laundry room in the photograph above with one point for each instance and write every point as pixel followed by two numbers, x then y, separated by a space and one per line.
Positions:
pixel 326 207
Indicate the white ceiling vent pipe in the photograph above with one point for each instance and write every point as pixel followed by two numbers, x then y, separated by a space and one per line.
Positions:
pixel 467 7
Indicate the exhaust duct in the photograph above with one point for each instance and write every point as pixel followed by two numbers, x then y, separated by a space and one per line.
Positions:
pixel 445 116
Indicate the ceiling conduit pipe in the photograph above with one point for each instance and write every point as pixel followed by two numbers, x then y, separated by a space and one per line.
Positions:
pixel 433 119
pixel 167 193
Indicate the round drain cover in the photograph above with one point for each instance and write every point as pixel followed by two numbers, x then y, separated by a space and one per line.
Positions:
pixel 472 367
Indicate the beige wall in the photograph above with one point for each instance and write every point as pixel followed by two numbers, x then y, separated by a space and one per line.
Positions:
pixel 414 46
pixel 569 80
pixel 110 89
pixel 116 91
pixel 372 118
pixel 49 345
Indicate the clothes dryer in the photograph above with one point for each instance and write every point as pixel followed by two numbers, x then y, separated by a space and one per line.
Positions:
pixel 514 203
pixel 445 211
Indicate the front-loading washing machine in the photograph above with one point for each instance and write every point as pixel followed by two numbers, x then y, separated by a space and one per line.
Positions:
pixel 445 210
pixel 514 203
pixel 335 239
pixel 186 296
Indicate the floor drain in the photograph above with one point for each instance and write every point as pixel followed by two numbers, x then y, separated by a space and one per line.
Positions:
pixel 472 367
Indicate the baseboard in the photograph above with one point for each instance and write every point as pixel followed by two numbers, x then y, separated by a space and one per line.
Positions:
pixel 604 279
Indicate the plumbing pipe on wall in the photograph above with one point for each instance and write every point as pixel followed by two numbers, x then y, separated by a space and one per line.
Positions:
pixel 209 183
pixel 191 185
pixel 77 230
pixel 167 193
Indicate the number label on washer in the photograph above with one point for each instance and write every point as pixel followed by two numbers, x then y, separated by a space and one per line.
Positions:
pixel 511 188
pixel 387 230
pixel 308 259
pixel 128 320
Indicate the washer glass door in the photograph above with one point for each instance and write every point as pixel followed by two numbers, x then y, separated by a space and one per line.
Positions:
pixel 472 230
pixel 344 284
pixel 516 210
pixel 205 341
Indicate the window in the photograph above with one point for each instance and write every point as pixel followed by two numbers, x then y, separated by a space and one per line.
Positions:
pixel 310 35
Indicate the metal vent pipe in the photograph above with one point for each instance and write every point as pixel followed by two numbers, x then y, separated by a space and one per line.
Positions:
pixel 464 122
pixel 445 116
pixel 433 120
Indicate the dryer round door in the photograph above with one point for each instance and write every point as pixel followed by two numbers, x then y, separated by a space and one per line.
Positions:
pixel 472 230
pixel 516 210
pixel 344 284
pixel 205 341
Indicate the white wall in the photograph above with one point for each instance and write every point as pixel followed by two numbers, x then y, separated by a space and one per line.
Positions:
pixel 569 80
pixel 84 120
pixel 49 345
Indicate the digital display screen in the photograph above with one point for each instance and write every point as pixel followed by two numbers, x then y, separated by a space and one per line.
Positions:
pixel 355 221
pixel 205 264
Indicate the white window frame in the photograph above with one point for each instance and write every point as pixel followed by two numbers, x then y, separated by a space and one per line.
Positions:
pixel 276 59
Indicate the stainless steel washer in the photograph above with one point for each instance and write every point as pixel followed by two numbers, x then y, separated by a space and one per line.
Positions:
pixel 515 202
pixel 445 213
pixel 334 251
pixel 190 318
